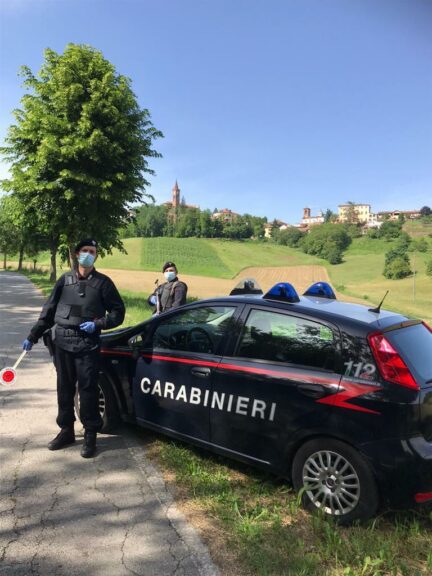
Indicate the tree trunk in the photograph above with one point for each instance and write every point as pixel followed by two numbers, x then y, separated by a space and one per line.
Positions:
pixel 73 262
pixel 4 260
pixel 21 258
pixel 34 265
pixel 53 263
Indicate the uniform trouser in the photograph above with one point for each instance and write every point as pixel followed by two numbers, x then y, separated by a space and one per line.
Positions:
pixel 81 369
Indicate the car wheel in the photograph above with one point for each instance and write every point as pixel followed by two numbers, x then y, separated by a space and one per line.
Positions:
pixel 335 479
pixel 108 408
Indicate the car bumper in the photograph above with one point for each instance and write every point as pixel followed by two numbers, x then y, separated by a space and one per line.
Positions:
pixel 403 469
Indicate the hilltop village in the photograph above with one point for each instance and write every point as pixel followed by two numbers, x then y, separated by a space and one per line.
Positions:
pixel 177 218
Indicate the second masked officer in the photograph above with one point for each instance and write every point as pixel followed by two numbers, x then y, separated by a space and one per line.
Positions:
pixel 82 303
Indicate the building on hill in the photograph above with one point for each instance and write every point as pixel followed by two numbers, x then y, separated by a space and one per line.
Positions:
pixel 225 215
pixel 176 202
pixel 309 220
pixel 269 227
pixel 394 214
pixel 361 213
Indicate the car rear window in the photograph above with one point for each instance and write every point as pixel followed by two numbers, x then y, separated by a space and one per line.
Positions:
pixel 414 344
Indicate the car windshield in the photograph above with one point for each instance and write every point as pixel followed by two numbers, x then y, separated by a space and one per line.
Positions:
pixel 414 344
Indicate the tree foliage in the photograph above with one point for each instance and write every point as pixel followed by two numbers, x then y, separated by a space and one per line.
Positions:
pixel 289 237
pixel 397 263
pixel 327 241
pixel 79 148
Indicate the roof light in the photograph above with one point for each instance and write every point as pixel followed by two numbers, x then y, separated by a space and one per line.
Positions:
pixel 321 290
pixel 390 364
pixel 283 291
pixel 246 286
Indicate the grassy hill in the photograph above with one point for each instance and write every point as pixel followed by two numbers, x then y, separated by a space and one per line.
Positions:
pixel 360 274
pixel 202 256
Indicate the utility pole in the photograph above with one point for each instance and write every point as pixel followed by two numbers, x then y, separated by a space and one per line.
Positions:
pixel 414 277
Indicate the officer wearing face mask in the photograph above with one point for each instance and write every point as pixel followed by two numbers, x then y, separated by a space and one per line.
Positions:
pixel 172 293
pixel 82 303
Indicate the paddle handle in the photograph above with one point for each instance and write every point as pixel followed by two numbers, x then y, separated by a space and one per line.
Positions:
pixel 15 366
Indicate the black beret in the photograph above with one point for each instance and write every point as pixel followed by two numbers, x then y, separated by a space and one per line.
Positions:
pixel 85 242
pixel 168 265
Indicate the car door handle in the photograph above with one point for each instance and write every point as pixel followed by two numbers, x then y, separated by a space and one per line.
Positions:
pixel 201 372
pixel 312 390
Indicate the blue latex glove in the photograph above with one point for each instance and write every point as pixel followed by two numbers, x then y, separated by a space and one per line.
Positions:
pixel 88 327
pixel 27 345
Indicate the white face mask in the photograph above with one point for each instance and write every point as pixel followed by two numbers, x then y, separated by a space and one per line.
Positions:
pixel 169 276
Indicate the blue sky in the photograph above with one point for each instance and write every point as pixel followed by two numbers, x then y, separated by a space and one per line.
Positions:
pixel 267 106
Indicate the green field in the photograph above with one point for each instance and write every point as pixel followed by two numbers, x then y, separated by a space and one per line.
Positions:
pixel 203 256
pixel 360 274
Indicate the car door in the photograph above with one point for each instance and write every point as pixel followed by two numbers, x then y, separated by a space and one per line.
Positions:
pixel 280 365
pixel 174 371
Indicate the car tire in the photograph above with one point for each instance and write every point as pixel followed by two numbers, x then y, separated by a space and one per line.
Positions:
pixel 108 407
pixel 335 479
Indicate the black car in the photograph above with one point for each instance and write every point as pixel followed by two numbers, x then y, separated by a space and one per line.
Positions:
pixel 335 396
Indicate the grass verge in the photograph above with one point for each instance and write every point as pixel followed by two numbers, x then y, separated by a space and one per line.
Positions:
pixel 254 525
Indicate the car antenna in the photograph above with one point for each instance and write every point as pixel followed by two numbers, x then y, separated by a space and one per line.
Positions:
pixel 378 308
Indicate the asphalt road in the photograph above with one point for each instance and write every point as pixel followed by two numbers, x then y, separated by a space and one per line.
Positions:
pixel 61 514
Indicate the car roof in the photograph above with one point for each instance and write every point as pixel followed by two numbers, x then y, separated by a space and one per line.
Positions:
pixel 323 308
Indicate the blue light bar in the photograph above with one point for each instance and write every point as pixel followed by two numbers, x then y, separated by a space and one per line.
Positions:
pixel 282 291
pixel 321 290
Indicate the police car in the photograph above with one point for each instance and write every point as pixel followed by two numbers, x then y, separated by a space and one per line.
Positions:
pixel 336 397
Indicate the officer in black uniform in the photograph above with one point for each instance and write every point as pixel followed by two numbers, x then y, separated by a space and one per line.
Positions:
pixel 78 305
pixel 172 293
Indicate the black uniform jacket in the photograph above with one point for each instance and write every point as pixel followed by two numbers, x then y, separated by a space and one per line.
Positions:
pixel 170 295
pixel 109 301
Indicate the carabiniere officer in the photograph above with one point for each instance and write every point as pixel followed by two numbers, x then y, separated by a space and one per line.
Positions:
pixel 82 303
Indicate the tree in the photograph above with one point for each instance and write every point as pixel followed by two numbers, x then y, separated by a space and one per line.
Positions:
pixel 397 262
pixel 390 229
pixel 398 267
pixel 329 216
pixel 351 213
pixel 289 237
pixel 425 211
pixel 79 149
pixel 327 241
pixel 421 245
pixel 9 232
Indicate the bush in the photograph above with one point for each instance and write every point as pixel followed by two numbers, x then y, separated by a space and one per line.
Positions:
pixel 429 268
pixel 289 237
pixel 397 266
pixel 327 241
pixel 421 245
pixel 390 229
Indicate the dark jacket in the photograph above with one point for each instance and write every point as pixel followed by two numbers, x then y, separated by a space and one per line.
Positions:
pixel 170 295
pixel 75 300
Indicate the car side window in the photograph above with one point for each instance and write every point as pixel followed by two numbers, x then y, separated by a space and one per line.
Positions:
pixel 283 338
pixel 196 330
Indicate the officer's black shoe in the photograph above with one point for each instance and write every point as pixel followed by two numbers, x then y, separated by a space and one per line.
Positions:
pixel 89 447
pixel 65 437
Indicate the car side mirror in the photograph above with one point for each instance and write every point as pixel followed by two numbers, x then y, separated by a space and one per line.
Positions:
pixel 136 343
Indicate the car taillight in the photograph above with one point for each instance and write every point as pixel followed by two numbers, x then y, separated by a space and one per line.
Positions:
pixel 390 364
pixel 421 497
